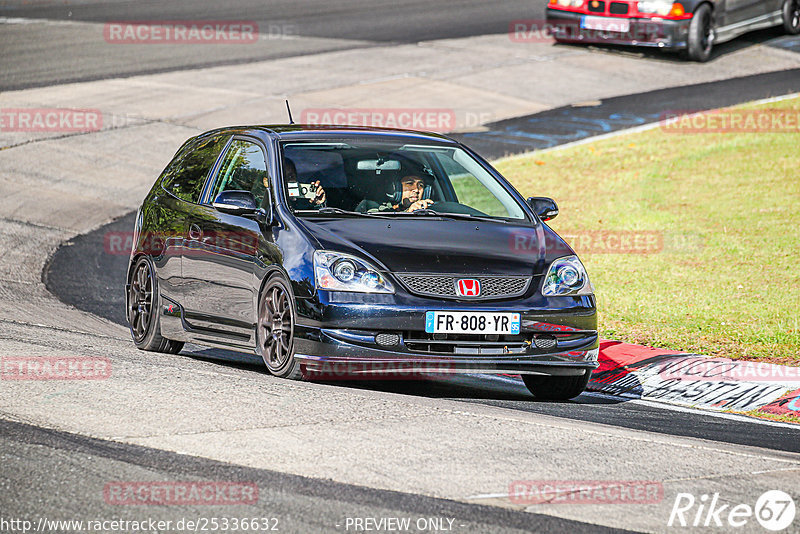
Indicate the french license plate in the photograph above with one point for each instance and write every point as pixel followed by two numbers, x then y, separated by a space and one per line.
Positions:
pixel 471 323
pixel 606 24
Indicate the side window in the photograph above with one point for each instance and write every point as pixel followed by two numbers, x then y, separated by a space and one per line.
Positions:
pixel 243 169
pixel 187 173
pixel 471 191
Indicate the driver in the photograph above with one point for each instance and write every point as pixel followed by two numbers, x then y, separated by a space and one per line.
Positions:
pixel 411 199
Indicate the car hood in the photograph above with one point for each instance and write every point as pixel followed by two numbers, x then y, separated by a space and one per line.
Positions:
pixel 433 245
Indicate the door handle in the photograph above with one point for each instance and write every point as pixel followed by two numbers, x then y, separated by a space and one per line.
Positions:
pixel 195 232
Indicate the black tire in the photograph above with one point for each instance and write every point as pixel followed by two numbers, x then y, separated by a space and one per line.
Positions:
pixel 142 312
pixel 275 328
pixel 556 387
pixel 791 16
pixel 701 34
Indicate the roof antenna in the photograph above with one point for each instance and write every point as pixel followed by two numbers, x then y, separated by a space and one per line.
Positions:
pixel 291 121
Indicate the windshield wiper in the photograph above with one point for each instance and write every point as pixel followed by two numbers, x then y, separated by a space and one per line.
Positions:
pixel 463 216
pixel 329 209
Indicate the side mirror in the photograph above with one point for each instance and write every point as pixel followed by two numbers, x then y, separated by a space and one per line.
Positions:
pixel 236 203
pixel 546 208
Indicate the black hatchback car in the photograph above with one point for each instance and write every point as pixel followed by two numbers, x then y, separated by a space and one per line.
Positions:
pixel 345 252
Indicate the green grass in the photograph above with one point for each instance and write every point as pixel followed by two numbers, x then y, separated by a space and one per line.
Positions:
pixel 787 418
pixel 727 282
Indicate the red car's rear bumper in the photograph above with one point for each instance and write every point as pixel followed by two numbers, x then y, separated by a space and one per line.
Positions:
pixel 569 26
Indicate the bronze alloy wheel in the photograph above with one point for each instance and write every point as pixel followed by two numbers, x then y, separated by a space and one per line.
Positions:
pixel 140 301
pixel 275 328
pixel 143 313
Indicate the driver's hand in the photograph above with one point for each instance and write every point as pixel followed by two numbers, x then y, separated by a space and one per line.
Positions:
pixel 420 204
pixel 320 197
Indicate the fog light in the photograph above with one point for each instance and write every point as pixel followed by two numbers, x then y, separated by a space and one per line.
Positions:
pixel 387 340
pixel 544 342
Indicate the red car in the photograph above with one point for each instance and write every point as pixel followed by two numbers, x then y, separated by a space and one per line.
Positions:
pixel 691 26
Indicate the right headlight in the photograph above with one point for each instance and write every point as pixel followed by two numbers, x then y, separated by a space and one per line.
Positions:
pixel 336 271
pixel 567 277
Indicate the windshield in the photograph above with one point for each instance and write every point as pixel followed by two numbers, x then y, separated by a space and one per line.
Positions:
pixel 337 179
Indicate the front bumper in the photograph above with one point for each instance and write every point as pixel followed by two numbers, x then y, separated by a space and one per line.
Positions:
pixel 661 33
pixel 334 337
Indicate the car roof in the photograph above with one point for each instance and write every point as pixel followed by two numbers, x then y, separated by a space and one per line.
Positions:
pixel 297 132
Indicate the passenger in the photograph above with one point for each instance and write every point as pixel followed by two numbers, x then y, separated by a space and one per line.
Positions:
pixel 300 201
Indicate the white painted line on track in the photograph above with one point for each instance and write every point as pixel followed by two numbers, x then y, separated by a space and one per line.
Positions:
pixel 51 22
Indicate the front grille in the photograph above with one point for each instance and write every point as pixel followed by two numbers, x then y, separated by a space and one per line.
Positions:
pixel 618 8
pixel 596 6
pixel 444 285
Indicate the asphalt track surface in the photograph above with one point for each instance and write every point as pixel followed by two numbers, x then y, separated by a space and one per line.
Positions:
pixel 68 44
pixel 58 53
pixel 300 504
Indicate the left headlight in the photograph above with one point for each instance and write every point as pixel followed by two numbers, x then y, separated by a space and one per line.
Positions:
pixel 657 7
pixel 336 271
pixel 567 277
